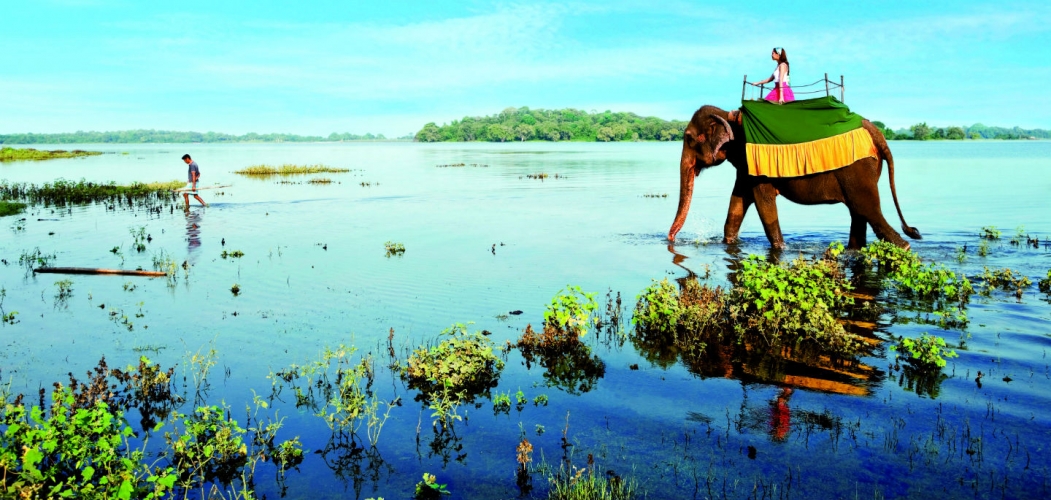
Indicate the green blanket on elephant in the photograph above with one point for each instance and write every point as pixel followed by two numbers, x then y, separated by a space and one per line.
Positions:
pixel 802 137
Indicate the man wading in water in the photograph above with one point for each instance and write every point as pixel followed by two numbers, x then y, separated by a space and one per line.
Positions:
pixel 193 175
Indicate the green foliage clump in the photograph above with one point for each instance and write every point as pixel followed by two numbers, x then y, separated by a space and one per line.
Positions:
pixel 1045 283
pixel 788 306
pixel 925 353
pixel 391 248
pixel 462 364
pixel 236 254
pixel 430 489
pixel 30 154
pixel 572 311
pixel 989 233
pixel 524 124
pixel 11 208
pixel 1005 280
pixel 913 278
pixel 69 451
pixel 207 446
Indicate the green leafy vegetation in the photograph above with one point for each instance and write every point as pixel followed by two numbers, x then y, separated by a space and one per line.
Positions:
pixel 926 352
pixel 1003 279
pixel 524 124
pixel 461 367
pixel 236 254
pixel 989 233
pixel 572 311
pixel 174 137
pixel 11 208
pixel 1045 283
pixel 430 488
pixel 391 249
pixel 62 192
pixel 288 169
pixel 30 154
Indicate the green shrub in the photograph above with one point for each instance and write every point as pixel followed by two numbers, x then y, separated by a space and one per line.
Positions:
pixel 1045 283
pixel 926 352
pixel 572 311
pixel 1005 280
pixel 11 208
pixel 793 305
pixel 463 363
pixel 912 278
pixel 67 451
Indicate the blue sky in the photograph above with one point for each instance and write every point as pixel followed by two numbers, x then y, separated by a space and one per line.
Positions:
pixel 389 67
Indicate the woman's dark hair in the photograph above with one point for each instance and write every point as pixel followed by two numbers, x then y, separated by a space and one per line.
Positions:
pixel 782 57
pixel 186 157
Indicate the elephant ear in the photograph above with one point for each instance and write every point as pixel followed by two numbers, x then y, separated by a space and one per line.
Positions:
pixel 721 137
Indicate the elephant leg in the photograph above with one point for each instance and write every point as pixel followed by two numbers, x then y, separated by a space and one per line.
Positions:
pixel 863 203
pixel 858 231
pixel 740 200
pixel 765 196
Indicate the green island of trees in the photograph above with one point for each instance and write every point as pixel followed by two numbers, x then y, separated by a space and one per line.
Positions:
pixel 167 136
pixel 924 132
pixel 524 124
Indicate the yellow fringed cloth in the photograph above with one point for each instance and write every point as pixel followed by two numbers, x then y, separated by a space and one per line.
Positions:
pixel 802 137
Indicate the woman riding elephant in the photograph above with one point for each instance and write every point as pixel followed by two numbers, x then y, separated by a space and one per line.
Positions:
pixel 713 137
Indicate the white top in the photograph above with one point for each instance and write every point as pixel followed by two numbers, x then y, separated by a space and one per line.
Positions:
pixel 776 74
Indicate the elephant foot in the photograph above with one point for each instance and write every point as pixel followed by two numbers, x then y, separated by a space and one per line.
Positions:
pixel 730 240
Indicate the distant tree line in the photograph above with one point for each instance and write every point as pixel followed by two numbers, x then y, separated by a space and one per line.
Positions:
pixel 524 124
pixel 924 132
pixel 166 136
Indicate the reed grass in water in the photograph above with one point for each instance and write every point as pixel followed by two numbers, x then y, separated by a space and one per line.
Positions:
pixel 61 191
pixel 23 154
pixel 288 169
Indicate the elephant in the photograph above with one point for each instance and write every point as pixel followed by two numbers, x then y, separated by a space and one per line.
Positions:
pixel 712 137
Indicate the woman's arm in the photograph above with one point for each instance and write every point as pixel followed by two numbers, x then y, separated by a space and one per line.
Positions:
pixel 782 69
pixel 768 80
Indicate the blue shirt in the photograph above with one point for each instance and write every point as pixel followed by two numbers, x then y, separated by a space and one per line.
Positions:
pixel 193 170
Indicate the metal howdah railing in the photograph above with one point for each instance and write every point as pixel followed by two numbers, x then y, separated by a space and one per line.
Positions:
pixel 759 91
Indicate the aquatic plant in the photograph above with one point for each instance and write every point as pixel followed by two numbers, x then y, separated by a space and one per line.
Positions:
pixel 63 192
pixel 989 233
pixel 67 451
pixel 1005 280
pixel 391 248
pixel 788 306
pixel 8 318
pixel 11 208
pixel 65 291
pixel 912 278
pixel 337 388
pixel 926 352
pixel 139 235
pixel 30 154
pixel 1045 283
pixel 163 261
pixel 288 169
pixel 462 366
pixel 34 259
pixel 430 489
pixel 983 248
pixel 572 483
pixel 320 180
pixel 571 311
pixel 236 254
pixel 655 195
pixel 236 289
pixel 502 403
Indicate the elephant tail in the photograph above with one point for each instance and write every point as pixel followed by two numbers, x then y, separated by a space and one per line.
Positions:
pixel 884 151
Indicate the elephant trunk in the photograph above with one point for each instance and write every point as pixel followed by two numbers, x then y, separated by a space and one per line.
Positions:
pixel 687 174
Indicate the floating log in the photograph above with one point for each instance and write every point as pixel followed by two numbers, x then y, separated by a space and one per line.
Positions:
pixel 92 270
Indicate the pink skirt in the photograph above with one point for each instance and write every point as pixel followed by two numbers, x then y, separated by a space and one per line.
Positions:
pixel 789 96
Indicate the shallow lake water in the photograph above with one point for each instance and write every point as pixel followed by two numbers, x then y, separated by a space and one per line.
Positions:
pixel 483 240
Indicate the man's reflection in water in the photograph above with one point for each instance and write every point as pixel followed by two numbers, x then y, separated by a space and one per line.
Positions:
pixel 781 415
pixel 193 235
